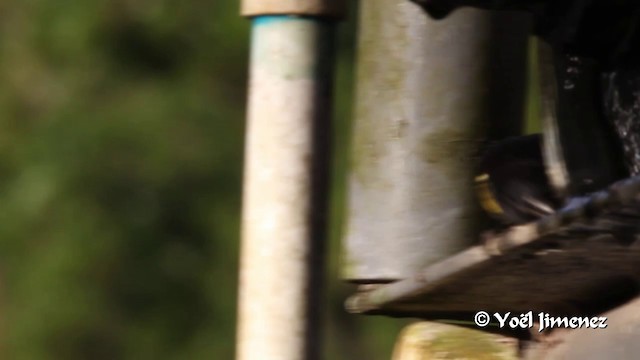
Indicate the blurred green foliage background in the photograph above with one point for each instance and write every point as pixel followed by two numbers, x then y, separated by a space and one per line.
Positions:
pixel 120 175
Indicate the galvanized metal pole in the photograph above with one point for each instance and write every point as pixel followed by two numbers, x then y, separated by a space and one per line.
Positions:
pixel 283 225
pixel 428 93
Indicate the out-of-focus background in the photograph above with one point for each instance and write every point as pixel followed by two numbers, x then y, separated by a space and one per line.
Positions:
pixel 121 138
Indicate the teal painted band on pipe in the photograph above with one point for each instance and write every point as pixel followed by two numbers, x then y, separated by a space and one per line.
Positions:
pixel 314 34
pixel 273 19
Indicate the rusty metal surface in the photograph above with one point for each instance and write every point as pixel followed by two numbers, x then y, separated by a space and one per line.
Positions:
pixel 582 260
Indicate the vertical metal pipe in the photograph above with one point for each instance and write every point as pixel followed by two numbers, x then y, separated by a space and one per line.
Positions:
pixel 427 94
pixel 283 225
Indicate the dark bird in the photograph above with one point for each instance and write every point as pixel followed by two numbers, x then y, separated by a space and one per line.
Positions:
pixel 512 185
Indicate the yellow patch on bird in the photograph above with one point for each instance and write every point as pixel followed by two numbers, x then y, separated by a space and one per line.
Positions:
pixel 485 195
pixel 482 177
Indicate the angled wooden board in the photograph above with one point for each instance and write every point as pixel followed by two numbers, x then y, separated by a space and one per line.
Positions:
pixel 581 261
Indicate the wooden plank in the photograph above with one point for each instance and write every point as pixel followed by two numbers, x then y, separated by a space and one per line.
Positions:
pixel 582 260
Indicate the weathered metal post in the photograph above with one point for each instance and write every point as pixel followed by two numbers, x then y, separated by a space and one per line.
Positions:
pixel 283 223
pixel 428 93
